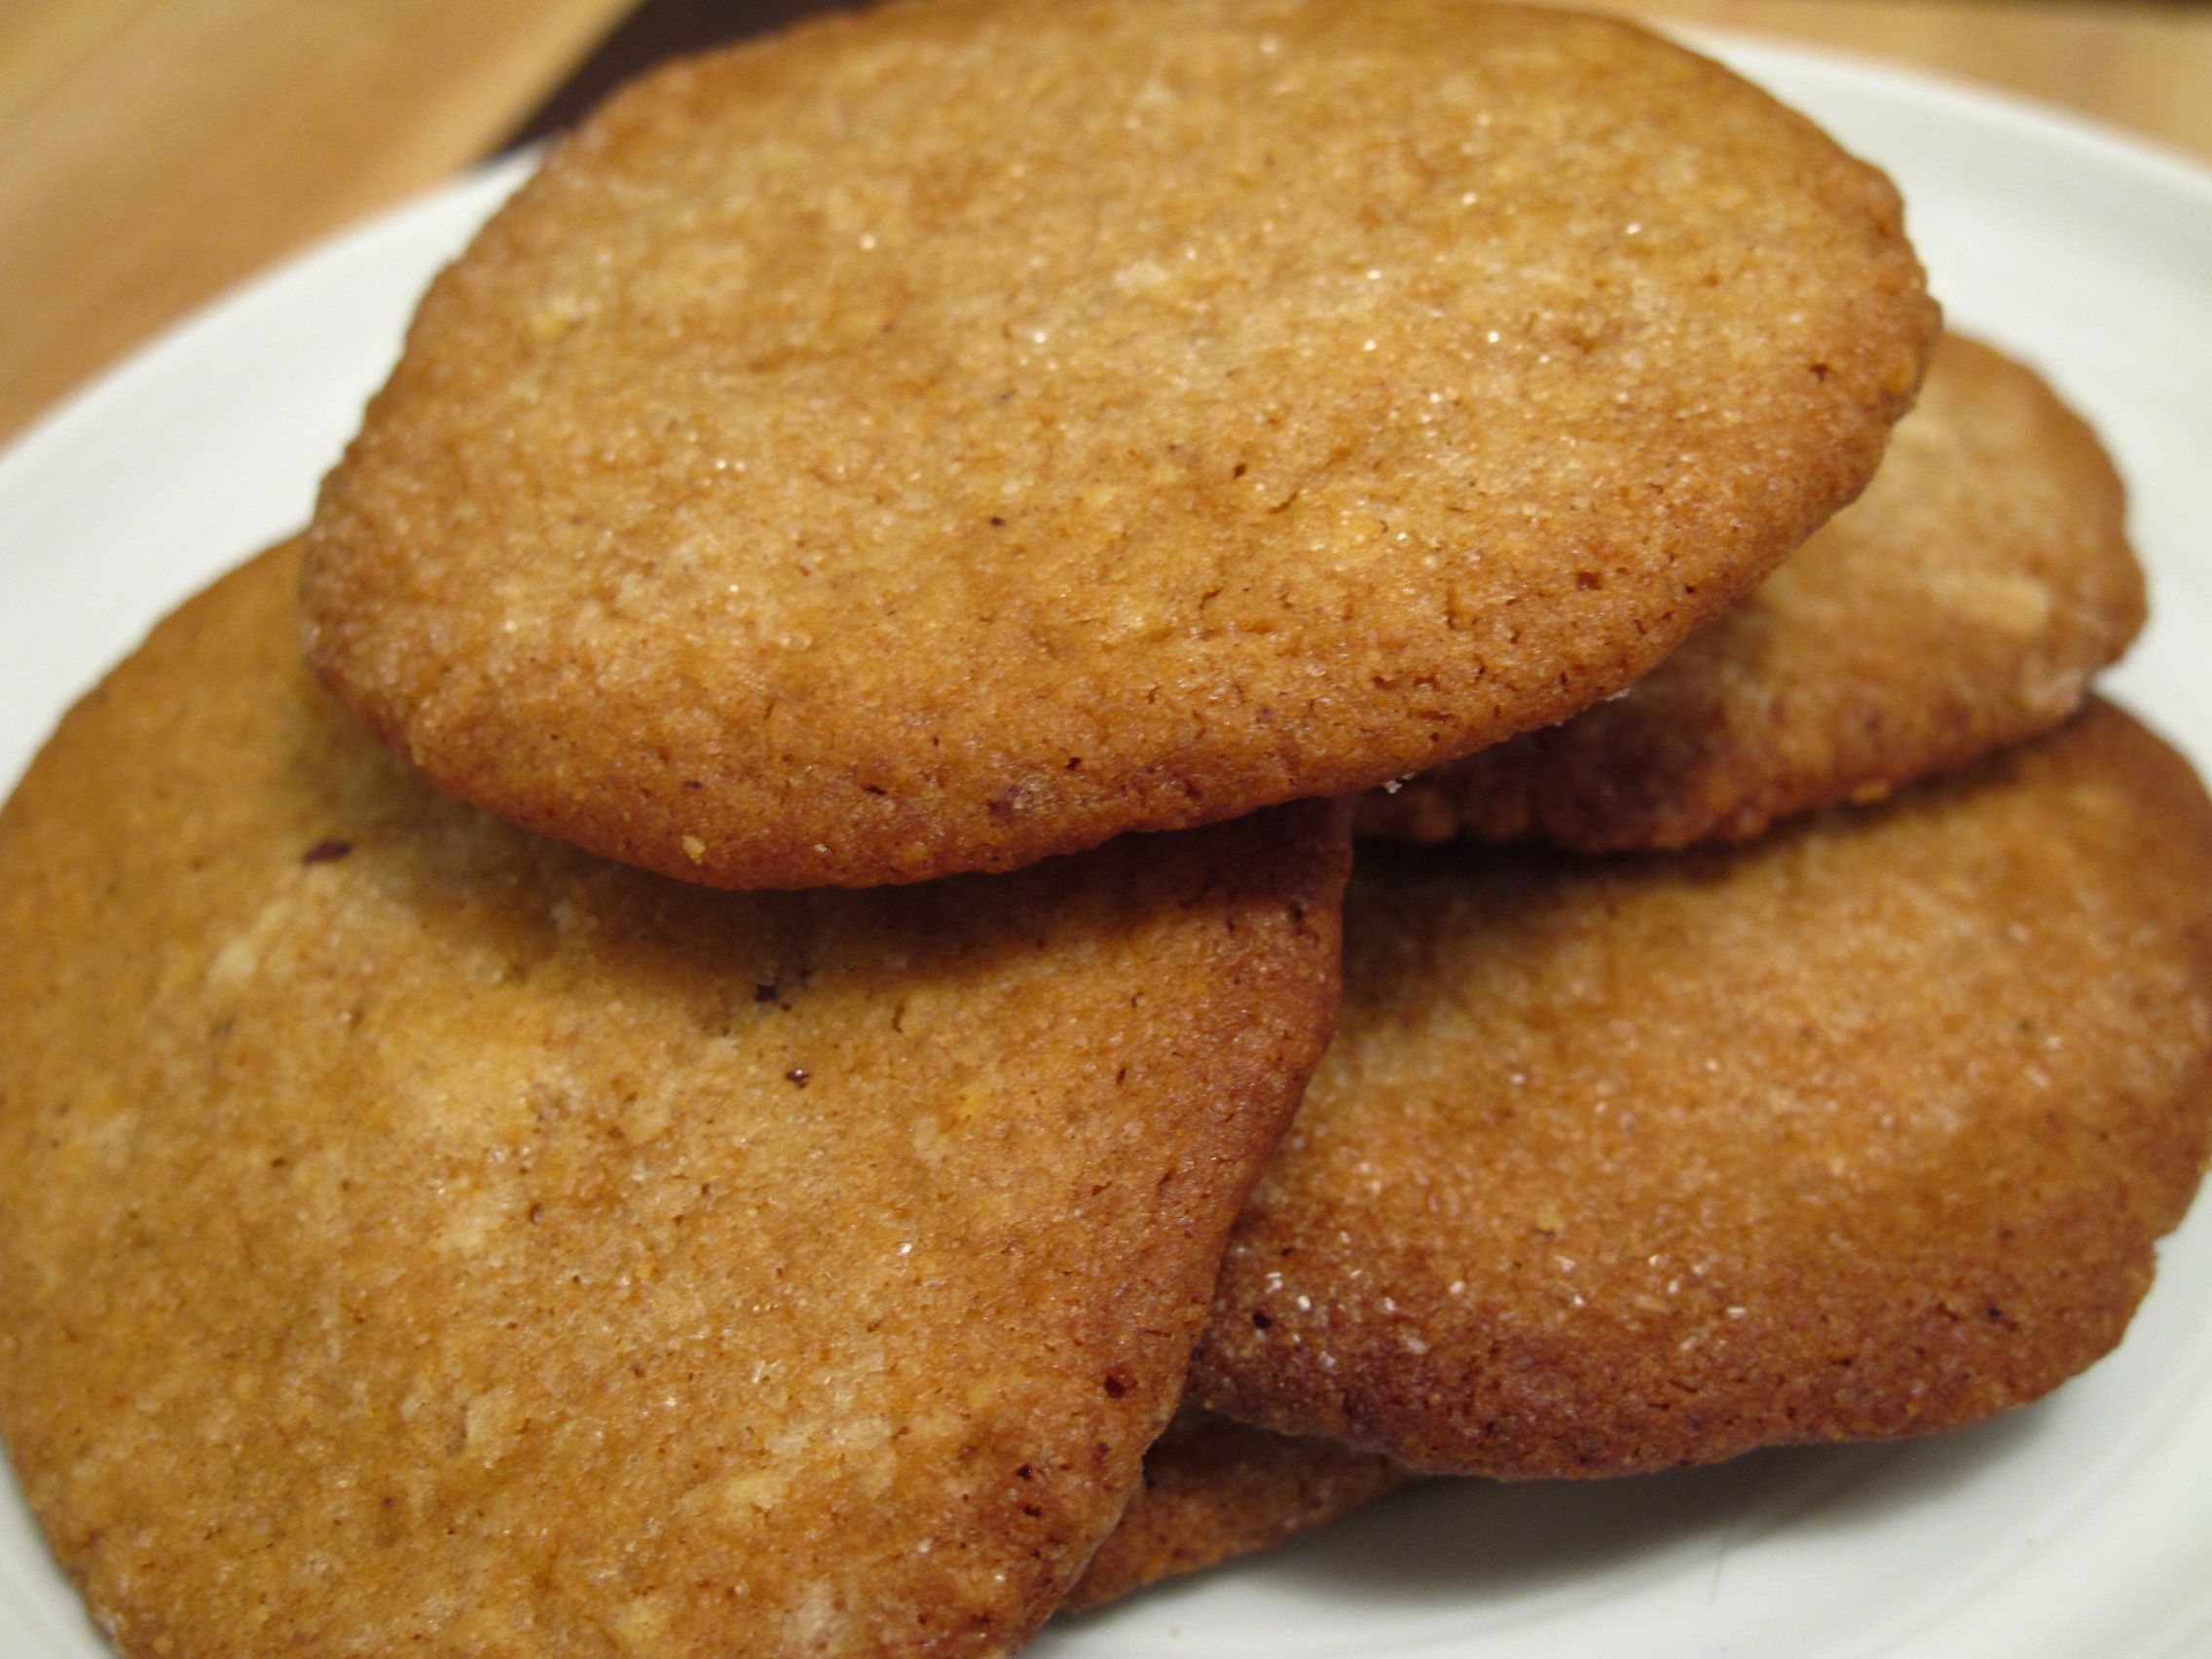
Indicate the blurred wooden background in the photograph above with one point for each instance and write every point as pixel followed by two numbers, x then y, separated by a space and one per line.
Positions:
pixel 154 152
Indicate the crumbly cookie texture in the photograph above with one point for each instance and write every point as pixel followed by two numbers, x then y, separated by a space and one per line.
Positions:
pixel 1862 1129
pixel 945 436
pixel 418 1237
pixel 1960 605
pixel 1214 1491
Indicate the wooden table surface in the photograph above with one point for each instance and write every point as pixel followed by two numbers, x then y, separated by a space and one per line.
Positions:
pixel 154 152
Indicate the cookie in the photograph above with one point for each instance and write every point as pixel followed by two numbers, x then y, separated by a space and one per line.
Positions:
pixel 937 438
pixel 1859 1130
pixel 1960 605
pixel 1215 1490
pixel 417 1237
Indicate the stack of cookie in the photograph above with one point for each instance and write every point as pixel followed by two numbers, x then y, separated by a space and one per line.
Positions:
pixel 883 580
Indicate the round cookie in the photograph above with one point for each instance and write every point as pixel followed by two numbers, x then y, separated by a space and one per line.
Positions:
pixel 1215 1490
pixel 1960 605
pixel 1859 1130
pixel 953 434
pixel 417 1237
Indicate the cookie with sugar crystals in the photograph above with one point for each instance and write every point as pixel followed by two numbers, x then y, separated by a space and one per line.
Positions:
pixel 414 1234
pixel 940 437
pixel 1859 1131
pixel 1215 1490
pixel 1960 605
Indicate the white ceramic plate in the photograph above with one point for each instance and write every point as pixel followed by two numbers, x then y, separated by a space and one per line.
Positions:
pixel 2081 1527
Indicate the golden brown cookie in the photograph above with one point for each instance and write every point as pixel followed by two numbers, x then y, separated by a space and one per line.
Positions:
pixel 1862 1129
pixel 1215 1490
pixel 418 1237
pixel 940 437
pixel 1960 605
